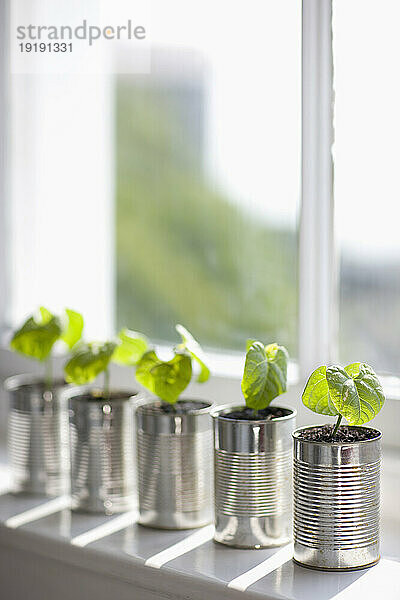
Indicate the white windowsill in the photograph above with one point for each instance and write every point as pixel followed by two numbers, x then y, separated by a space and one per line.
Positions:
pixel 90 556
pixel 107 564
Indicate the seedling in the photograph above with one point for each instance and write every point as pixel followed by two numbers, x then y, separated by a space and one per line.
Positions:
pixel 91 359
pixel 265 374
pixel 353 392
pixel 37 336
pixel 168 379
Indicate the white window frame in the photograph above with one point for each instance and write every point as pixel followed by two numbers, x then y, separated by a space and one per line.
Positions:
pixel 49 154
pixel 318 292
pixel 4 167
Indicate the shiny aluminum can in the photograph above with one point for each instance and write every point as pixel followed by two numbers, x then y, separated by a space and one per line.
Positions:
pixel 37 436
pixel 253 472
pixel 102 450
pixel 336 503
pixel 174 453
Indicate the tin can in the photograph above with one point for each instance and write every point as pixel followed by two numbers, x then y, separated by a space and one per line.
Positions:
pixel 37 436
pixel 337 502
pixel 174 451
pixel 102 451
pixel 253 472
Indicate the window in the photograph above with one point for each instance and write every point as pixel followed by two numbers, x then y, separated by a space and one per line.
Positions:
pixel 149 199
pixel 208 149
pixel 59 218
pixel 367 186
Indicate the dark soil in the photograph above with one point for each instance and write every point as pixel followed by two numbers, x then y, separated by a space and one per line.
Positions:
pixel 266 414
pixel 344 434
pixel 183 406
pixel 96 395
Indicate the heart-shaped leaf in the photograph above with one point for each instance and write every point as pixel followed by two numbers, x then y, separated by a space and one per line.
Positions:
pixel 73 330
pixel 249 343
pixel 265 374
pixel 196 352
pixel 131 348
pixel 45 315
pixel 356 392
pixel 37 335
pixel 165 379
pixel 316 394
pixel 88 361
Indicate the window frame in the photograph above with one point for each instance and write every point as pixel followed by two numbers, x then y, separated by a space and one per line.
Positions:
pixel 4 167
pixel 318 280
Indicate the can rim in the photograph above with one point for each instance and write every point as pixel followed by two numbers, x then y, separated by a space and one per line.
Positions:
pixel 148 401
pixel 72 392
pixel 216 413
pixel 296 436
pixel 15 382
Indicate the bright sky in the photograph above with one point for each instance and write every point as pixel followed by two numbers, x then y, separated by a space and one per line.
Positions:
pixel 253 51
pixel 251 54
pixel 367 82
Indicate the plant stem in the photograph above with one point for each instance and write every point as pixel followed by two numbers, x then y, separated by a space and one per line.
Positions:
pixel 106 391
pixel 335 429
pixel 48 377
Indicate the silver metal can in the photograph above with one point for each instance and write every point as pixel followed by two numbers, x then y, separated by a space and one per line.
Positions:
pixel 253 472
pixel 336 502
pixel 102 450
pixel 37 436
pixel 174 452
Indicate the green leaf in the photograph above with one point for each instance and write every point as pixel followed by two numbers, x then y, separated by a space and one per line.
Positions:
pixel 73 331
pixel 265 374
pixel 131 348
pixel 316 394
pixel 165 379
pixel 88 361
pixel 195 350
pixel 356 392
pixel 249 343
pixel 45 315
pixel 37 337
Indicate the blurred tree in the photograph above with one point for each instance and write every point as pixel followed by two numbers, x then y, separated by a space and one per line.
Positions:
pixel 185 253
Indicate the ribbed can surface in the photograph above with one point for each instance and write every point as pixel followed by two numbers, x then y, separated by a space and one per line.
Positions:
pixel 37 436
pixel 253 465
pixel 336 503
pixel 102 452
pixel 174 453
